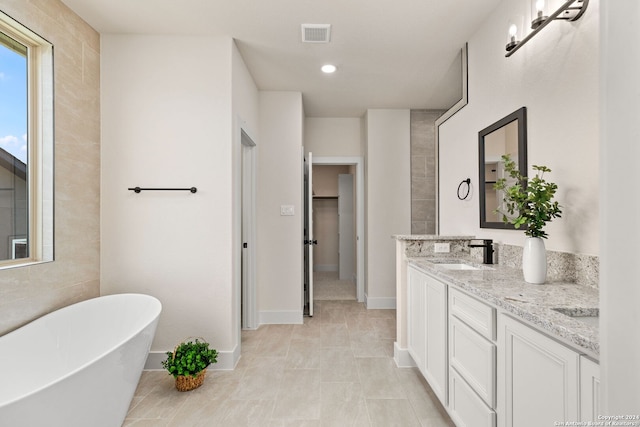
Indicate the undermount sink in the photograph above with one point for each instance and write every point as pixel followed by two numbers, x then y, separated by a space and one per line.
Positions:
pixel 458 266
pixel 586 315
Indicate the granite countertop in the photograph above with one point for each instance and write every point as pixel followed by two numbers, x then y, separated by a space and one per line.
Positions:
pixel 504 288
pixel 409 237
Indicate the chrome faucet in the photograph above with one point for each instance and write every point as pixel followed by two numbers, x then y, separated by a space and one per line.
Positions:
pixel 487 253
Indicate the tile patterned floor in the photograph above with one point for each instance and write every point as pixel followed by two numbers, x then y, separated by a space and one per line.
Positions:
pixel 334 370
pixel 327 286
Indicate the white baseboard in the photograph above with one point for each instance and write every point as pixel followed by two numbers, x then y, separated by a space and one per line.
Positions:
pixel 402 357
pixel 380 303
pixel 227 360
pixel 325 267
pixel 154 360
pixel 280 317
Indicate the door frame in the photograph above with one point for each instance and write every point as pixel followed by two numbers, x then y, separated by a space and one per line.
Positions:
pixel 358 162
pixel 307 225
pixel 245 265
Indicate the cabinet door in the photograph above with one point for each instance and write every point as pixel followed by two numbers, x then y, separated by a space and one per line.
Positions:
pixel 537 377
pixel 436 368
pixel 589 390
pixel 427 329
pixel 416 320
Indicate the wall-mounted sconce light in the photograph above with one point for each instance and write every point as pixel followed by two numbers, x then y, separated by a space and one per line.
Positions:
pixel 538 13
pixel 571 10
pixel 514 33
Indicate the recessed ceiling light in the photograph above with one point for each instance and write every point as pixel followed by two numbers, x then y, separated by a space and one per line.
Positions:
pixel 328 68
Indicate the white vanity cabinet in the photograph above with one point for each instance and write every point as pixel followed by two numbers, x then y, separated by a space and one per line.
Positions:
pixel 416 317
pixel 538 378
pixel 490 369
pixel 427 328
pixel 589 390
pixel 472 359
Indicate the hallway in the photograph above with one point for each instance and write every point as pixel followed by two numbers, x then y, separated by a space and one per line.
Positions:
pixel 336 369
pixel 327 287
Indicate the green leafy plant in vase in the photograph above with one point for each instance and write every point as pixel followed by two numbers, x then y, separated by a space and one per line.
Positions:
pixel 188 363
pixel 529 203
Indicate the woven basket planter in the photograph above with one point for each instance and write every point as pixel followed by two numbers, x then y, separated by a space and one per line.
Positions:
pixel 187 382
pixel 189 357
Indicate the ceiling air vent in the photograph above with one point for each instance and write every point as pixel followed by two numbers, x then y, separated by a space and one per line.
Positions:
pixel 316 33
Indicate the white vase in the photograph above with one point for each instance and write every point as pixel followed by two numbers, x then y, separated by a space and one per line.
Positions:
pixel 534 260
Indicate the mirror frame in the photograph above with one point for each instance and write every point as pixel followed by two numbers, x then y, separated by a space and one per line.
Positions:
pixel 521 116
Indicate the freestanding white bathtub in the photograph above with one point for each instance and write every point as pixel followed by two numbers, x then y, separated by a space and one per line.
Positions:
pixel 78 366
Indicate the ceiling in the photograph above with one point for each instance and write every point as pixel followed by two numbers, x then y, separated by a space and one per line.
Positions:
pixel 400 54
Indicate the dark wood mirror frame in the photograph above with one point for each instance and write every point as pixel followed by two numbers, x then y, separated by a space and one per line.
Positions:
pixel 485 184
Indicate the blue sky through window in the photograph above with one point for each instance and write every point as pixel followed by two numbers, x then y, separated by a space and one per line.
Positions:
pixel 13 102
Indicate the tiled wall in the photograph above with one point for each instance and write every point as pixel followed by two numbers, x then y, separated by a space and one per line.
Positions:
pixel 423 171
pixel 29 292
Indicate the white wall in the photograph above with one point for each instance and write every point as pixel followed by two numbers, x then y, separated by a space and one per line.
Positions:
pixel 388 199
pixel 620 208
pixel 333 137
pixel 555 76
pixel 279 182
pixel 167 121
pixel 245 119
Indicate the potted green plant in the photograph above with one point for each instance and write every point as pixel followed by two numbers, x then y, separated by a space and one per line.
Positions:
pixel 529 203
pixel 188 363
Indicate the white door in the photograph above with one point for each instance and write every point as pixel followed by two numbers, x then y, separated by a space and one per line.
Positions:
pixel 249 318
pixel 346 235
pixel 308 236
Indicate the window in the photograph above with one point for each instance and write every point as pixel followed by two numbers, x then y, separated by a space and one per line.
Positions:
pixel 26 145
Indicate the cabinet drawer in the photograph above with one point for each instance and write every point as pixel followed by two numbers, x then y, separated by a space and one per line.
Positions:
pixel 465 407
pixel 479 316
pixel 474 358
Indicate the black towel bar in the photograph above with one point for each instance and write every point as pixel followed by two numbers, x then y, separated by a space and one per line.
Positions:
pixel 139 189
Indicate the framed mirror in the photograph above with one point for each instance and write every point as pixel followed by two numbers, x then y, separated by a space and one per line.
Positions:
pixel 506 136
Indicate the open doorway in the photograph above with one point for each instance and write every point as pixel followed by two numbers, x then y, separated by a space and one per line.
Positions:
pixel 334 227
pixel 338 222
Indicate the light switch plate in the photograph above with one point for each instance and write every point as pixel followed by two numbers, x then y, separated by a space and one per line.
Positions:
pixel 287 210
pixel 441 247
